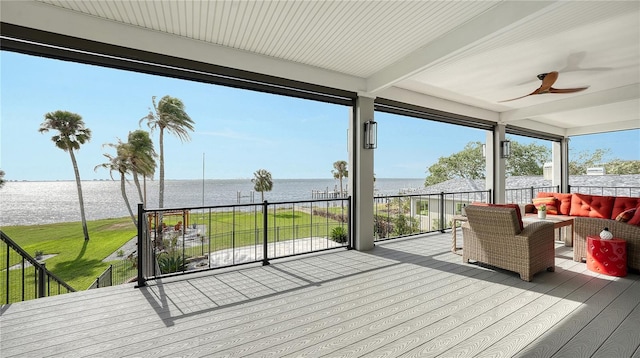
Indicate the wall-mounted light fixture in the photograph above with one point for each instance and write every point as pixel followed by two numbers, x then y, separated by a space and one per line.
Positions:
pixel 505 149
pixel 370 134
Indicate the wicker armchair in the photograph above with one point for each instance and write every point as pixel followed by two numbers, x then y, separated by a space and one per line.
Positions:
pixel 492 236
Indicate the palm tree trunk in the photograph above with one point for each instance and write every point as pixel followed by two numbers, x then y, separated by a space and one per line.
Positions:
pixel 136 180
pixel 123 191
pixel 161 184
pixel 79 186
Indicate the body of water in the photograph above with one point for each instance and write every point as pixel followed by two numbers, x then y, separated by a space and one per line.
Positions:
pixel 29 203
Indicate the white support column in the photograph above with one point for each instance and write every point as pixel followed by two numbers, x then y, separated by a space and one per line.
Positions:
pixel 489 160
pixel 499 165
pixel 361 166
pixel 556 159
pixel 564 165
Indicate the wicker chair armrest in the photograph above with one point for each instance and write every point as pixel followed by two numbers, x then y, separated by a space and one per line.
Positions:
pixel 539 230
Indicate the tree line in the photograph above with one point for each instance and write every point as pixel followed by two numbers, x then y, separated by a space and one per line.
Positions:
pixel 525 159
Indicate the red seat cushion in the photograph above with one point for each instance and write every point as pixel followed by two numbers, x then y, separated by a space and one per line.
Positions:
pixel 551 203
pixel 515 206
pixel 622 204
pixel 591 206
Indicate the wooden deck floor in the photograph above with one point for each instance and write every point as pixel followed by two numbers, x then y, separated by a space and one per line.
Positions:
pixel 411 297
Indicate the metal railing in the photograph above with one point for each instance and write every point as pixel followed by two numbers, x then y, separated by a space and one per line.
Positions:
pixel 212 237
pixel 525 195
pixel 22 277
pixel 105 279
pixel 404 215
pixel 631 191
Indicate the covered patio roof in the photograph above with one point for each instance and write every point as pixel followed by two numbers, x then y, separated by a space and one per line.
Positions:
pixel 459 57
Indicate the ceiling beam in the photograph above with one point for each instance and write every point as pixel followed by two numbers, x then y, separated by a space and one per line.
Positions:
pixel 499 19
pixel 614 95
pixel 606 127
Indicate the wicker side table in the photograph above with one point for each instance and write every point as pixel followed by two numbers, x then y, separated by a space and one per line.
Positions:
pixel 607 257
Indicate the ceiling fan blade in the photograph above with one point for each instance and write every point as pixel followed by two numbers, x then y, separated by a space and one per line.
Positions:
pixel 567 90
pixel 548 81
pixel 513 99
pixel 537 91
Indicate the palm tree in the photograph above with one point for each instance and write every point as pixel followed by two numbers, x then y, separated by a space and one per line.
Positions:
pixel 141 157
pixel 340 171
pixel 72 134
pixel 262 182
pixel 170 116
pixel 120 163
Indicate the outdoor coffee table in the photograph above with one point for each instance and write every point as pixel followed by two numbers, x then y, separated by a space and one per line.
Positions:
pixel 558 222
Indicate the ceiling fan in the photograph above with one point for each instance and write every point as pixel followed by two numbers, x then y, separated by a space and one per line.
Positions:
pixel 548 79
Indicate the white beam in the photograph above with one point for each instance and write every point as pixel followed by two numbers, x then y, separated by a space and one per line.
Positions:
pixel 587 100
pixel 423 100
pixel 603 128
pixel 499 19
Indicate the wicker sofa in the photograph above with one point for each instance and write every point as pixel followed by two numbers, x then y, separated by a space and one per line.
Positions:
pixel 592 213
pixel 494 236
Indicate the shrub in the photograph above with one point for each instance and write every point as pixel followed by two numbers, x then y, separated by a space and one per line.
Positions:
pixel 404 225
pixel 339 234
pixel 169 263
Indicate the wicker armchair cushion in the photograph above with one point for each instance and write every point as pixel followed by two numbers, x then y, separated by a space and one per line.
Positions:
pixel 515 206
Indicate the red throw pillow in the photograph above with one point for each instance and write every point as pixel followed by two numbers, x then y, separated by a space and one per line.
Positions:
pixel 564 201
pixel 635 220
pixel 623 203
pixel 551 203
pixel 626 215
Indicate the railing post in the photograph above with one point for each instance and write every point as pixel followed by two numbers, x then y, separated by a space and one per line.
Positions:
pixel 265 234
pixel 441 212
pixel 41 275
pixel 350 241
pixel 531 194
pixel 141 247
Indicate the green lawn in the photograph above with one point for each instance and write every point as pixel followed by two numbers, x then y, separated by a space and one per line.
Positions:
pixel 76 261
pixel 79 262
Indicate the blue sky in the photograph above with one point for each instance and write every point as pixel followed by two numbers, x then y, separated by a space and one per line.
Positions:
pixel 238 131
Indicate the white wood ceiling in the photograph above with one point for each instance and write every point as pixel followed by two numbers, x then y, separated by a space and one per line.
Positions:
pixel 460 56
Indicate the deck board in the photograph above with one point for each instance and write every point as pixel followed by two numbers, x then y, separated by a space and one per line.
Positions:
pixel 407 297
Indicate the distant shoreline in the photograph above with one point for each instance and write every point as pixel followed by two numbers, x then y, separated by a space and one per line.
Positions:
pixel 174 180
